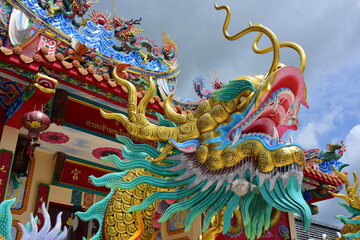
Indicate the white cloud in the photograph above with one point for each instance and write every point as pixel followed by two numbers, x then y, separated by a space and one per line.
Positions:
pixel 309 136
pixel 352 143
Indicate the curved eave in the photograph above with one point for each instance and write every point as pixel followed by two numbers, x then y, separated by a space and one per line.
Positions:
pixel 60 68
pixel 322 177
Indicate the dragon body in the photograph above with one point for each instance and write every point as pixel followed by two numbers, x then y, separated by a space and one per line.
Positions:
pixel 70 8
pixel 225 155
pixel 119 205
pixel 201 91
pixel 199 87
pixel 127 33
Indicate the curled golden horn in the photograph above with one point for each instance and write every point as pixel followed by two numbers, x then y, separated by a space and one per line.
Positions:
pixel 270 76
pixel 235 229
pixel 119 117
pixel 292 45
pixel 252 28
pixel 172 115
pixel 132 98
pixel 146 99
pixel 356 183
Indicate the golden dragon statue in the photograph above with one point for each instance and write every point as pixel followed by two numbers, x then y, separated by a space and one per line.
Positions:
pixel 225 155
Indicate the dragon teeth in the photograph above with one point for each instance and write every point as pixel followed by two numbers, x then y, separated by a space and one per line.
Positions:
pixel 276 101
pixel 275 139
pixel 237 136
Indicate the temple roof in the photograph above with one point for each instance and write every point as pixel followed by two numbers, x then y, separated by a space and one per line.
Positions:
pixel 322 177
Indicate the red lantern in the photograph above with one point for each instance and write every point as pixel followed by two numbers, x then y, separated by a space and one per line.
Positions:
pixel 35 122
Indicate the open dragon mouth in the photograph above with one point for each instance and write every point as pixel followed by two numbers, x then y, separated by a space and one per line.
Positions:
pixel 278 109
pixel 275 166
pixel 277 115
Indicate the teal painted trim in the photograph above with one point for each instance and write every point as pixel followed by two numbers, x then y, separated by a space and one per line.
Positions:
pixel 91 163
pixel 16 70
pixel 80 189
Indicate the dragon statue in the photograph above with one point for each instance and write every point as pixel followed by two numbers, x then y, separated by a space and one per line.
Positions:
pixel 225 155
pixel 325 160
pixel 201 91
pixel 127 33
pixel 30 231
pixel 70 8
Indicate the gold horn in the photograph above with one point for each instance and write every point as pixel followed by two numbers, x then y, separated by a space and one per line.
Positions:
pixel 172 115
pixel 132 98
pixel 252 28
pixel 137 123
pixel 292 45
pixel 275 48
pixel 146 99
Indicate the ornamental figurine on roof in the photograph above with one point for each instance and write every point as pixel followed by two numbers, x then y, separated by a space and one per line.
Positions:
pixel 223 156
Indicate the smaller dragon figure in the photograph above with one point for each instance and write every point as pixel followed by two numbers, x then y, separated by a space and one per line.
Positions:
pixel 325 160
pixel 127 33
pixel 70 8
pixel 334 152
pixel 199 86
pixel 30 231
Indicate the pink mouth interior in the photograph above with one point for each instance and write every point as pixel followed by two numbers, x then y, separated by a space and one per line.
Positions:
pixel 271 118
pixel 287 77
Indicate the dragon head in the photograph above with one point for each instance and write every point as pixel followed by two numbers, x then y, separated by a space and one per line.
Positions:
pixel 231 148
pixel 81 7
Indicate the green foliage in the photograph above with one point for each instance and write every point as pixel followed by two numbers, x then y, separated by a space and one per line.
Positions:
pixel 231 90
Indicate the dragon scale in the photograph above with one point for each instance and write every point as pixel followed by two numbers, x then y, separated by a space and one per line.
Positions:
pixel 120 223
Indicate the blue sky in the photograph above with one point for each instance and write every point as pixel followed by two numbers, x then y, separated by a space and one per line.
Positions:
pixel 328 32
